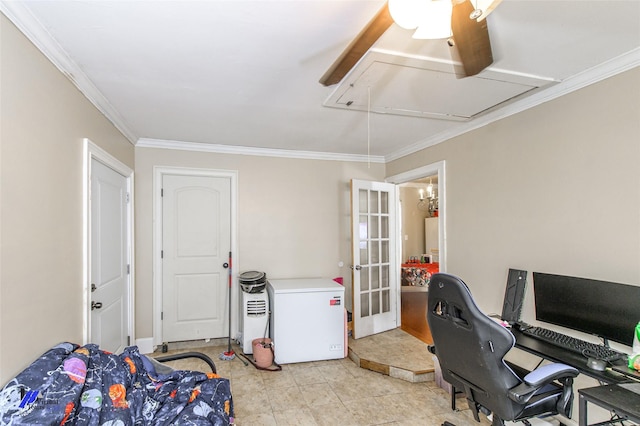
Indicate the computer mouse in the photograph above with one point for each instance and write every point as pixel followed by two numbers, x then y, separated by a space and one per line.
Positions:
pixel 596 364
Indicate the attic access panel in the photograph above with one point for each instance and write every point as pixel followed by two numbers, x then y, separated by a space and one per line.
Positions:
pixel 427 87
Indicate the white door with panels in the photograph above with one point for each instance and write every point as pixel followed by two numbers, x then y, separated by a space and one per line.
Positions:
pixel 374 253
pixel 196 240
pixel 109 258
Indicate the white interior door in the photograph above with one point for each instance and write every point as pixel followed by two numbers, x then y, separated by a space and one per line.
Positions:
pixel 109 258
pixel 196 240
pixel 375 269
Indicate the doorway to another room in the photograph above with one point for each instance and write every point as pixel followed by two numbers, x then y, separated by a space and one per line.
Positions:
pixel 420 252
pixel 422 242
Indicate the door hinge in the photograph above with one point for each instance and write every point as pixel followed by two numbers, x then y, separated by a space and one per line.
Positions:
pixel 128 269
pixel 161 316
pixel 128 340
pixel 162 192
pixel 127 197
pixel 161 254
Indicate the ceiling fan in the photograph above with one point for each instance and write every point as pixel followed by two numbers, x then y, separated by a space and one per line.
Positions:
pixel 470 36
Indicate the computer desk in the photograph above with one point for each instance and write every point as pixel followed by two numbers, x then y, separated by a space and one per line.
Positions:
pixel 615 398
pixel 610 396
pixel 558 354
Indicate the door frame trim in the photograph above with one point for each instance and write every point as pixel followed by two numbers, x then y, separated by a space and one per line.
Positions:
pixel 91 151
pixel 158 173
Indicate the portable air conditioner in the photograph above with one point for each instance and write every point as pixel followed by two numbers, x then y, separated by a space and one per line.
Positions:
pixel 255 315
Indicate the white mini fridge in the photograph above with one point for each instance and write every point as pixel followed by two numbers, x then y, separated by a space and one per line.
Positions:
pixel 307 319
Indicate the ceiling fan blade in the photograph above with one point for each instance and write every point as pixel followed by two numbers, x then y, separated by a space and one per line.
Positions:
pixel 358 47
pixel 471 38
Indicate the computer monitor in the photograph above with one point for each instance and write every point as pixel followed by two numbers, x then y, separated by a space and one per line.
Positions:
pixel 514 296
pixel 605 309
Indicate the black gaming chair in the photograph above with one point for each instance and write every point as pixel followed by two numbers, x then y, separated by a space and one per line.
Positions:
pixel 471 347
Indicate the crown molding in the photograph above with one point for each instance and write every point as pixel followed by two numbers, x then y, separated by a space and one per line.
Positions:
pixel 260 152
pixel 586 78
pixel 20 15
pixel 24 20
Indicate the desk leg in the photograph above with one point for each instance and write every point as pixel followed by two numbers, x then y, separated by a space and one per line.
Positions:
pixel 453 398
pixel 582 411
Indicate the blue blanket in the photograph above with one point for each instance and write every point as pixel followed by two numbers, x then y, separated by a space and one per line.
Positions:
pixel 73 385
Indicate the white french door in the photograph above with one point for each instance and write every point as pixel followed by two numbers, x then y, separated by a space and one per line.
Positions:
pixel 374 254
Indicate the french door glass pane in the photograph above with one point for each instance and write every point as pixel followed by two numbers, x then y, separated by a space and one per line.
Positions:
pixel 364 236
pixel 373 203
pixel 384 202
pixel 384 250
pixel 364 255
pixel 375 277
pixel 364 279
pixel 384 276
pixel 384 226
pixel 375 303
pixel 374 227
pixel 375 252
pixel 386 301
pixel 364 227
pixel 363 201
pixel 364 304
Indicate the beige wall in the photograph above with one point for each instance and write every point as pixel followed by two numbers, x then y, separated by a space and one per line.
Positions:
pixel 43 120
pixel 293 216
pixel 553 189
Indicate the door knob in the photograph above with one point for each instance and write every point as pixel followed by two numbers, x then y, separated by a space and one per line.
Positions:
pixel 96 305
pixel 225 265
pixel 357 267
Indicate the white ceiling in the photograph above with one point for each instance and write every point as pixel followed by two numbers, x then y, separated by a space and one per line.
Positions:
pixel 242 76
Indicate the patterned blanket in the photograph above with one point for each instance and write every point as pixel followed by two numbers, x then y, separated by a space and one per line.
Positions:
pixel 73 385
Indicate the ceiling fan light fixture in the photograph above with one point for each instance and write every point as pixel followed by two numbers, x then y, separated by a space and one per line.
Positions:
pixel 406 13
pixel 435 23
pixel 430 18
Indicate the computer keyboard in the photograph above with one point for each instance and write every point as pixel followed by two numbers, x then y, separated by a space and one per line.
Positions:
pixel 587 349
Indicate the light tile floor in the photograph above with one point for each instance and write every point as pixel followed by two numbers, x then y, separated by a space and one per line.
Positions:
pixel 334 392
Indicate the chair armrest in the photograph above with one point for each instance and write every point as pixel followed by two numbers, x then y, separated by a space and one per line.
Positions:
pixel 548 373
pixel 539 378
pixel 432 349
